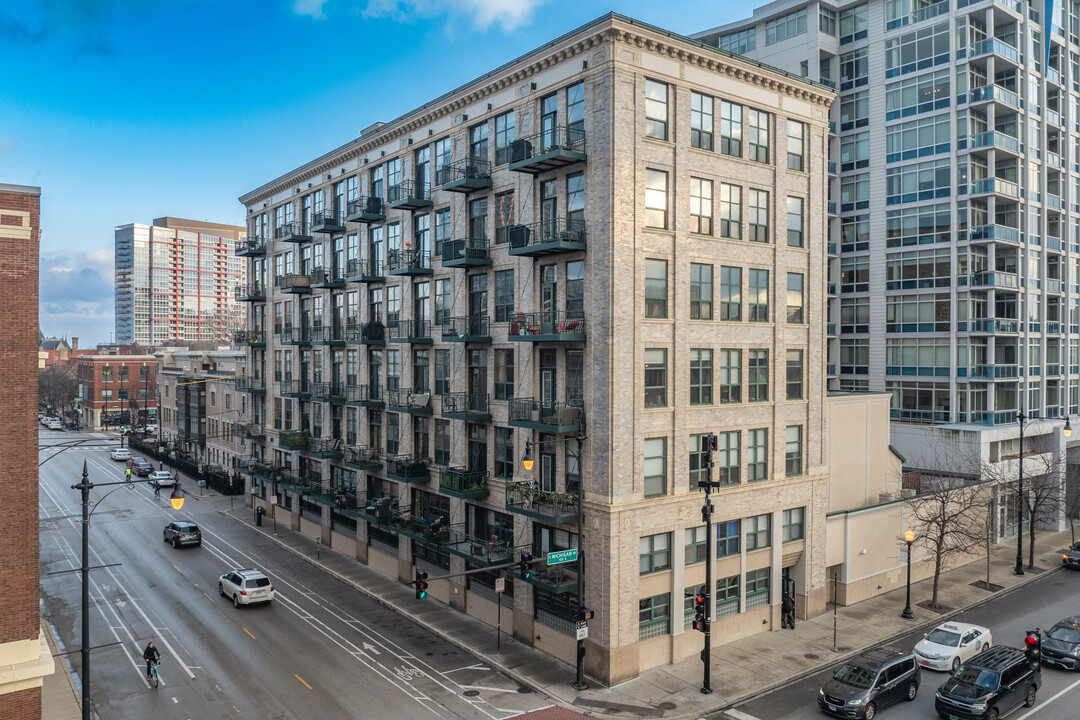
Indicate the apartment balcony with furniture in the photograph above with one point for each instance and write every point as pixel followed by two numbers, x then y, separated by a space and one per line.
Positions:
pixel 369 333
pixel 547 237
pixel 296 232
pixel 466 253
pixel 327 278
pixel 327 221
pixel 549 149
pixel 553 417
pixel 251 247
pixel 410 402
pixel 465 176
pixel 406 469
pixel 249 431
pixel 556 579
pixel 365 210
pixel 467 328
pixel 250 384
pixel 325 448
pixel 294 388
pixel 547 326
pixel 480 551
pixel 250 338
pixel 409 195
pixel 408 262
pixel 463 483
pixel 364 270
pixel 250 292
pixel 293 284
pixel 464 406
pixel 296 335
pixel 361 457
pixel 370 396
pixel 293 439
pixel 546 506
pixel 409 331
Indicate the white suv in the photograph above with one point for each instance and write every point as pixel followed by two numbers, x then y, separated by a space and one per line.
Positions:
pixel 246 587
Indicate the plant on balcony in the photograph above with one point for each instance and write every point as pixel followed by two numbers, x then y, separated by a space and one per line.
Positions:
pixel 293 438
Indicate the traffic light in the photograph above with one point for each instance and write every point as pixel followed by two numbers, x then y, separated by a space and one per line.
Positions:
pixel 700 601
pixel 525 566
pixel 421 584
pixel 1033 648
pixel 585 614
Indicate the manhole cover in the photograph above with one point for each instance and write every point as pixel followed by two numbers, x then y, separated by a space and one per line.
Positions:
pixel 524 690
pixel 811 656
pixel 667 706
pixel 471 693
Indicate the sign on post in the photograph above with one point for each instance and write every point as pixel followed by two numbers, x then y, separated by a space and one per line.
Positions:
pixel 562 556
pixel 582 628
pixel 500 585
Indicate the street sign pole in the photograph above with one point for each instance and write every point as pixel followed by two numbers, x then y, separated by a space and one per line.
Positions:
pixel 500 588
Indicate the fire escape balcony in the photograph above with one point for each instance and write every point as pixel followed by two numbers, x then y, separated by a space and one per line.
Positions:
pixel 369 333
pixel 293 284
pixel 465 176
pixel 327 278
pixel 296 336
pixel 549 507
pixel 364 396
pixel 552 417
pixel 250 247
pixel 296 232
pixel 293 439
pixel 408 262
pixel 464 406
pixel 250 292
pixel 294 388
pixel 409 331
pixel 547 237
pixel 463 483
pixel 360 457
pixel 250 384
pixel 250 431
pixel 403 468
pixel 364 271
pixel 327 221
pixel 410 402
pixel 251 338
pixel 466 253
pixel 365 210
pixel 547 326
pixel 467 328
pixel 409 195
pixel 328 335
pixel 324 448
pixel 549 149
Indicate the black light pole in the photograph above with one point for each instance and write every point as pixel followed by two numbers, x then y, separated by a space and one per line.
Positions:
pixel 1019 569
pixel 909 537
pixel 708 446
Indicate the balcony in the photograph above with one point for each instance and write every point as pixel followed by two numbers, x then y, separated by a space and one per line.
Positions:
pixel 294 284
pixel 465 176
pixel 554 148
pixel 996 186
pixel 408 262
pixel 548 326
pixel 293 439
pixel 463 406
pixel 547 237
pixel 467 328
pixel 553 417
pixel 328 335
pixel 251 247
pixel 364 271
pixel 327 221
pixel 294 388
pixel 993 46
pixel 550 507
pixel 472 252
pixel 995 93
pixel 994 372
pixel 409 402
pixel 251 338
pixel 982 233
pixel 370 333
pixel 327 278
pixel 994 326
pixel 324 448
pixel 556 579
pixel 997 140
pixel 249 431
pixel 361 457
pixel 409 195
pixel 409 331
pixel 296 232
pixel 995 279
pixel 328 392
pixel 407 470
pixel 251 292
pixel 364 396
pixel 295 336
pixel 250 384
pixel 462 483
pixel 365 210
pixel 481 551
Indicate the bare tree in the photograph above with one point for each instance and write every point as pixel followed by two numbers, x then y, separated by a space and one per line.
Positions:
pixel 57 386
pixel 948 520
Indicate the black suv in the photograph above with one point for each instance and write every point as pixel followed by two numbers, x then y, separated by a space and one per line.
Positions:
pixel 988 686
pixel 869 682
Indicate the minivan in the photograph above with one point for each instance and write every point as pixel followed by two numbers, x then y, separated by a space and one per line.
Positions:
pixel 869 682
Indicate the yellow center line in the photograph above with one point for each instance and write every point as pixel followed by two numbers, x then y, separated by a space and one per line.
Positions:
pixel 209 598
pixel 249 633
pixel 302 680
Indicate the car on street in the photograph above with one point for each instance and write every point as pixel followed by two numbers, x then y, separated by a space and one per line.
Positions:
pixel 246 587
pixel 989 686
pixel 55 424
pixel 182 532
pixel 120 454
pixel 1061 644
pixel 164 478
pixel 1071 556
pixel 143 468
pixel 149 430
pixel 869 682
pixel 950 644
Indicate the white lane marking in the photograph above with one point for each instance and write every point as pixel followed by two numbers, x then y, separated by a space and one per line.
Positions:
pixel 371 648
pixel 1044 703
pixel 739 715
pixel 467 667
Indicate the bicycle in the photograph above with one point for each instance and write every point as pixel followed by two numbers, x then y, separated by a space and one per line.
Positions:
pixel 154 673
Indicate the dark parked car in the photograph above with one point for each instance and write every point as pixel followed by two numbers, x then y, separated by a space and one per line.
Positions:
pixel 869 682
pixel 1071 557
pixel 989 686
pixel 1061 644
pixel 182 533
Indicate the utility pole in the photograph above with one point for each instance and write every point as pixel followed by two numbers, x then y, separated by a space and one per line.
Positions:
pixel 708 447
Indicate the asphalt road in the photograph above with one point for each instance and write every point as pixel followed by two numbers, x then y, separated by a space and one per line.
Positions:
pixel 1040 604
pixel 319 650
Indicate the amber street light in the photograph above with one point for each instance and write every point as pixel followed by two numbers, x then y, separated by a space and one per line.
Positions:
pixel 177 496
pixel 909 537
pixel 527 461
pixel 1067 430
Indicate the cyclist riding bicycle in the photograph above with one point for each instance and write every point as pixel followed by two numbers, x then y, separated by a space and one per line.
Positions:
pixel 157 490
pixel 127 473
pixel 152 657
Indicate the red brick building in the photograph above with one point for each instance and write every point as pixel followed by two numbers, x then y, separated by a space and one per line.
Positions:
pixel 109 384
pixel 24 653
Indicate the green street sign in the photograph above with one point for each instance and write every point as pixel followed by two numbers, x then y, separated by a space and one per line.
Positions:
pixel 561 556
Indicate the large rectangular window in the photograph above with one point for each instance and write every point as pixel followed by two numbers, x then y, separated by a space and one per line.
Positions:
pixel 757 381
pixel 698 470
pixel 759 216
pixel 504 295
pixel 701 377
pixel 504 452
pixel 794 525
pixel 701 121
pixel 504 374
pixel 655 377
pixel 730 385
pixel 739 43
pixel 730 293
pixel 654 616
pixel 757 455
pixel 758 532
pixel 757 588
pixel 727 538
pixel 505 133
pixel 796 145
pixel 727 457
pixel 656 184
pixel 731 128
pixel 697 544
pixel 793 450
pixel 701 293
pixel 656 288
pixel 758 138
pixel 758 296
pixel 727 596
pixel 794 374
pixel 853 23
pixel 795 222
pixel 795 298
pixel 656 110
pixel 730 211
pixel 655 467
pixel 786 26
pixel 701 204
pixel 654 553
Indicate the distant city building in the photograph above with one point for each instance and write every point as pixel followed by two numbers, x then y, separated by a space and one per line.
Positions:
pixel 116 390
pixel 175 281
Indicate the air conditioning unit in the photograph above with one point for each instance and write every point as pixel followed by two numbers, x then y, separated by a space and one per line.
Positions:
pixel 520 150
pixel 517 236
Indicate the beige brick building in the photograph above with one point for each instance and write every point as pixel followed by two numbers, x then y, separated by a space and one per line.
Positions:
pixel 618 235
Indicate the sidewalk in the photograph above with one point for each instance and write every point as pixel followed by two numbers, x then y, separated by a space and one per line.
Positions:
pixel 740 670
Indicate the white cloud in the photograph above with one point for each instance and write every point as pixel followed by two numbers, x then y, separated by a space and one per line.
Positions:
pixel 75 294
pixel 508 14
pixel 312 8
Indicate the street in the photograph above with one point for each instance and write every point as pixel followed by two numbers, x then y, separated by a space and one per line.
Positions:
pixel 1040 604
pixel 319 650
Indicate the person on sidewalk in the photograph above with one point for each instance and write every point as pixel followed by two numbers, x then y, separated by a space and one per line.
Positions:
pixel 787 609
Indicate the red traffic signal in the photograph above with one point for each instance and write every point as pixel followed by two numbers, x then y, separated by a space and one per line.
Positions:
pixel 700 602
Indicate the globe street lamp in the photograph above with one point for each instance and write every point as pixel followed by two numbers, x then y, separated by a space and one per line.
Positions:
pixel 909 537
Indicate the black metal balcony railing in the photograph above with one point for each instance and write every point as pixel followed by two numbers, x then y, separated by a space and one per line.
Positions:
pixel 364 270
pixel 549 149
pixel 409 195
pixel 293 283
pixel 554 417
pixel 251 431
pixel 364 395
pixel 250 247
pixel 324 448
pixel 409 331
pixel 293 439
pixel 465 406
pixel 250 384
pixel 463 483
pixel 408 262
pixel 251 292
pixel 547 237
pixel 467 328
pixel 327 334
pixel 256 338
pixel 296 231
pixel 369 333
pixel 552 507
pixel 327 221
pixel 361 457
pixel 327 277
pixel 296 335
pixel 465 176
pixel 547 326
pixel 408 401
pixel 407 469
pixel 466 253
pixel 365 209
pixel 490 550
pixel 295 388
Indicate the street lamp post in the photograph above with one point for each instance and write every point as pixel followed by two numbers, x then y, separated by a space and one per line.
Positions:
pixel 1019 569
pixel 527 462
pixel 909 537
pixel 84 486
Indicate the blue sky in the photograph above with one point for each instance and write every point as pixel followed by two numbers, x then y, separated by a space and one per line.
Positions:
pixel 127 110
